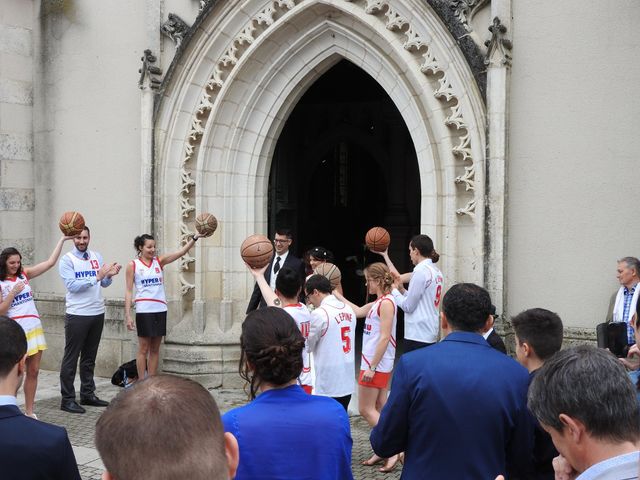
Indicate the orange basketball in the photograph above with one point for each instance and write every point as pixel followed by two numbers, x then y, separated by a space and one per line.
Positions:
pixel 377 239
pixel 71 223
pixel 206 224
pixel 330 272
pixel 256 250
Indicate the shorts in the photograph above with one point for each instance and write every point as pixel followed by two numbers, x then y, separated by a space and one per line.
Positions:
pixel 380 380
pixel 151 324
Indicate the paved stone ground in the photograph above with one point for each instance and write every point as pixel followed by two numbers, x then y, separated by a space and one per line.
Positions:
pixel 81 428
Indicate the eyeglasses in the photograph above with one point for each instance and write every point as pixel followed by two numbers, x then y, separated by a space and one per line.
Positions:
pixel 281 240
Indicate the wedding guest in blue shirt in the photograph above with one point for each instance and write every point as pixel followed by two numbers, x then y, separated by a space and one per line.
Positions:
pixel 284 432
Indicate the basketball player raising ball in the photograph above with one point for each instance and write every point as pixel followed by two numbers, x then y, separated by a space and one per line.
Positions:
pixel 421 300
pixel 146 273
pixel 16 302
pixel 378 349
pixel 286 296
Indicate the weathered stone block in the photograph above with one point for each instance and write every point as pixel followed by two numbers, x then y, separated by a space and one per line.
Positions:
pixel 16 91
pixel 17 227
pixel 16 40
pixel 21 199
pixel 16 118
pixel 14 145
pixel 17 13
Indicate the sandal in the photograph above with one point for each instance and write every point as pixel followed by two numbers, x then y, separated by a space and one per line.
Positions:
pixel 390 465
pixel 374 460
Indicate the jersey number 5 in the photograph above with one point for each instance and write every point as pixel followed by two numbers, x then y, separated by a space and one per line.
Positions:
pixel 346 340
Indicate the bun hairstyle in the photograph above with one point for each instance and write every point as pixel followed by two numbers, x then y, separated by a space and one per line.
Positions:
pixel 4 256
pixel 380 272
pixel 270 349
pixel 321 254
pixel 139 241
pixel 424 245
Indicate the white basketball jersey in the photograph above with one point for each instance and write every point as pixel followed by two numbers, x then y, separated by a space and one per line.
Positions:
pixel 302 316
pixel 149 281
pixel 88 301
pixel 422 324
pixel 332 339
pixel 22 305
pixel 371 337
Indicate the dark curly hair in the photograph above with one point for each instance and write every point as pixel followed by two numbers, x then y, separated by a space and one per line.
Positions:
pixel 270 349
pixel 4 256
pixel 140 240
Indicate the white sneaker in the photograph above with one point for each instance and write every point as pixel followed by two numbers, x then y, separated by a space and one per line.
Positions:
pixel 33 415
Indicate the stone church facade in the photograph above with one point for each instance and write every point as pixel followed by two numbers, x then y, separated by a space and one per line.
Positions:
pixel 481 123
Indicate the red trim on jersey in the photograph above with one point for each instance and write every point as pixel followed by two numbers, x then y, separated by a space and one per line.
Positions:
pixel 293 305
pixel 366 361
pixel 327 314
pixel 24 316
pixel 142 262
pixel 149 300
pixel 382 299
pixel 393 341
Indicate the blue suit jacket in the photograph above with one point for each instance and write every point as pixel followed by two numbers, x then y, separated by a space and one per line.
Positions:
pixel 458 410
pixel 30 449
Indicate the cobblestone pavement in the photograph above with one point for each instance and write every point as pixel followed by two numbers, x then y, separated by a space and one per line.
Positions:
pixel 81 428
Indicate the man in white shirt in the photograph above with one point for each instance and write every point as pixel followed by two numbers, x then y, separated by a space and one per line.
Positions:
pixel 29 449
pixel 331 341
pixel 421 301
pixel 584 399
pixel 84 275
pixel 623 303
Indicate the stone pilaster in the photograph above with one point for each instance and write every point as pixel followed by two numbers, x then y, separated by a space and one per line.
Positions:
pixel 17 201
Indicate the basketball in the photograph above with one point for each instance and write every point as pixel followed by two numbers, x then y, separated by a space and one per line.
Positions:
pixel 206 224
pixel 71 223
pixel 256 251
pixel 330 272
pixel 377 239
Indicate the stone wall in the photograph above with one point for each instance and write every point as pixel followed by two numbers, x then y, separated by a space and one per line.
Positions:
pixel 17 201
pixel 117 346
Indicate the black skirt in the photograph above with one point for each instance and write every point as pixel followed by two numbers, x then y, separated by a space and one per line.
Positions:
pixel 151 324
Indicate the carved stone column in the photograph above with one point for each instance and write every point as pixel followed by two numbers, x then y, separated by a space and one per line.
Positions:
pixel 498 61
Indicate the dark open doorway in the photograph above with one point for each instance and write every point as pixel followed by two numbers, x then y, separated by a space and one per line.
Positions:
pixel 344 163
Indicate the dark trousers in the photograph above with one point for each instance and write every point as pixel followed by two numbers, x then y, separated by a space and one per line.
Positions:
pixel 409 345
pixel 344 401
pixel 82 336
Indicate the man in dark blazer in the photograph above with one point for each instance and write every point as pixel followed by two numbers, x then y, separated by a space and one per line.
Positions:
pixel 459 408
pixel 29 449
pixel 281 258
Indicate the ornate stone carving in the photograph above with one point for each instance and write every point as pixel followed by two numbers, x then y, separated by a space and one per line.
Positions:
pixel 464 10
pixel 175 28
pixel 149 72
pixel 499 46
pixel 443 88
pixel 236 48
pixel 203 4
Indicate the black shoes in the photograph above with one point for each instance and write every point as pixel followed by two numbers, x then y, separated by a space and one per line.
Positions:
pixel 71 406
pixel 93 401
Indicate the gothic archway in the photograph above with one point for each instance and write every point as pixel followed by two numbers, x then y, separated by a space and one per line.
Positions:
pixel 221 116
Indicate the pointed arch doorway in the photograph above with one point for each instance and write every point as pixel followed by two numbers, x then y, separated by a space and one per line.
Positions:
pixel 344 162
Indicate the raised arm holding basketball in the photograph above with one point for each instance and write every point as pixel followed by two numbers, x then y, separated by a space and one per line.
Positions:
pixel 17 303
pixel 146 273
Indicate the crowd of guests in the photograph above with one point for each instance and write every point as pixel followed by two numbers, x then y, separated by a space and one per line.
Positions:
pixel 457 408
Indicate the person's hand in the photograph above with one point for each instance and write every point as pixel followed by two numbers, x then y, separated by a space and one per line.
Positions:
pixel 384 253
pixel 130 325
pixel 17 288
pixel 367 375
pixel 256 272
pixel 633 351
pixel 397 282
pixel 563 469
pixel 112 269
pixel 68 237
pixel 499 477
